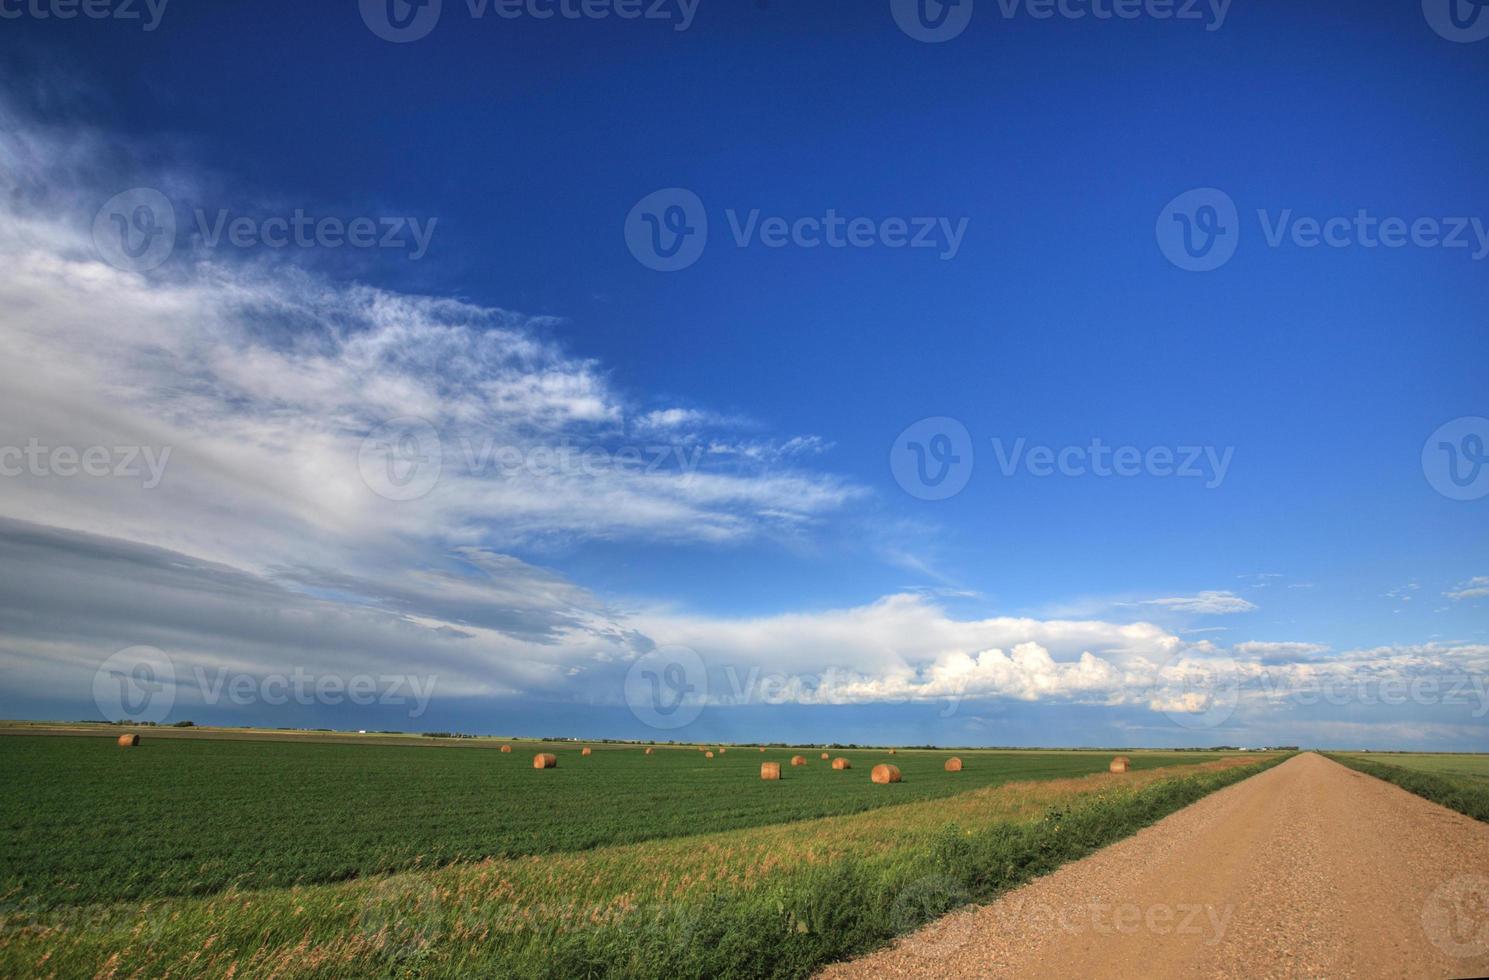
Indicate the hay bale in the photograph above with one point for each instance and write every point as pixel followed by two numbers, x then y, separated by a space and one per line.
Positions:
pixel 891 751
pixel 841 763
pixel 1119 764
pixel 506 748
pixel 798 760
pixel 585 751
pixel 883 773
pixel 722 750
pixel 648 750
pixel 708 755
pixel 826 755
pixel 762 748
pixel 770 770
pixel 545 760
pixel 953 764
pixel 129 741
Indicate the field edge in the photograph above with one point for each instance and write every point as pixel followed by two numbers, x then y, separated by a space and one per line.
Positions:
pixel 1443 790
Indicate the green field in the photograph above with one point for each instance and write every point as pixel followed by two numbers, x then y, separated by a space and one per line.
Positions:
pixel 1458 782
pixel 1468 767
pixel 118 862
pixel 87 822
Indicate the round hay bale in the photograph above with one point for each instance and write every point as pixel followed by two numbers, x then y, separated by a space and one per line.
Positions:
pixel 585 751
pixel 826 755
pixel 708 755
pixel 545 760
pixel 798 760
pixel 762 748
pixel 770 770
pixel 883 773
pixel 506 748
pixel 953 764
pixel 722 750
pixel 841 763
pixel 648 750
pixel 891 751
pixel 129 741
pixel 1119 764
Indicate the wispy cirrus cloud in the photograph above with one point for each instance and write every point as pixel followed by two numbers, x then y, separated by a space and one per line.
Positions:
pixel 266 379
pixel 1475 588
pixel 1266 651
pixel 1206 603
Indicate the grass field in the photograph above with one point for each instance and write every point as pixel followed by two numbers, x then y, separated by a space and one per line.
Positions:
pixel 619 863
pixel 204 814
pixel 1458 782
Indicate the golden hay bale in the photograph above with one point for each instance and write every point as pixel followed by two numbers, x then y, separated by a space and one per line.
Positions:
pixel 506 748
pixel 722 750
pixel 585 751
pixel 648 750
pixel 953 764
pixel 708 755
pixel 826 755
pixel 762 748
pixel 770 770
pixel 129 741
pixel 798 760
pixel 885 774
pixel 1119 764
pixel 841 764
pixel 891 751
pixel 545 760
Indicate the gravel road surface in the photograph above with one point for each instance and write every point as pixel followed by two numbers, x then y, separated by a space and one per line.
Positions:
pixel 1307 870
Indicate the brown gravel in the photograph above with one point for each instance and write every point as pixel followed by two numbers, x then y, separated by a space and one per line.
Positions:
pixel 1307 870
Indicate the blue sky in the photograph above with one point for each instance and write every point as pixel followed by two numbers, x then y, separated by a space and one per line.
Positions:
pixel 789 374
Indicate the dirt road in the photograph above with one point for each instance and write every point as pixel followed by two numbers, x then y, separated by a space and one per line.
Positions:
pixel 1309 869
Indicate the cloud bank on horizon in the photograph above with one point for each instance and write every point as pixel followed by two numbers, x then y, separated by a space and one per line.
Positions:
pixel 231 491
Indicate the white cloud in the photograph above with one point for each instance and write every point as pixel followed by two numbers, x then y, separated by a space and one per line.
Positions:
pixel 1207 603
pixel 1269 650
pixel 671 418
pixel 1475 588
pixel 264 379
pixel 1403 593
